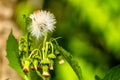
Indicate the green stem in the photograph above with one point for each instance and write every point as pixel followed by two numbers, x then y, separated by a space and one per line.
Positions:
pixel 45 38
pixel 39 74
pixel 46 79
pixel 33 52
pixel 27 35
pixel 26 39
pixel 44 46
pixel 27 76
pixel 43 53
pixel 51 47
pixel 46 49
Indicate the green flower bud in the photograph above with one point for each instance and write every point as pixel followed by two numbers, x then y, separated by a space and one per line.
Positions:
pixel 51 56
pixel 45 71
pixel 45 61
pixel 21 47
pixel 57 52
pixel 26 66
pixel 51 65
pixel 61 60
pixel 23 39
pixel 25 49
pixel 35 63
pixel 32 67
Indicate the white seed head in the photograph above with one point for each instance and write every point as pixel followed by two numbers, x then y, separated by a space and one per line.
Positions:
pixel 42 22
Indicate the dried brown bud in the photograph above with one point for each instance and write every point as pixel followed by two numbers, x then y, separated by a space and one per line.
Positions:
pixel 25 70
pixel 26 66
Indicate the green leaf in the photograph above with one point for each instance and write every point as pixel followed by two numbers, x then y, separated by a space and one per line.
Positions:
pixel 13 56
pixel 113 74
pixel 34 75
pixel 74 64
pixel 97 78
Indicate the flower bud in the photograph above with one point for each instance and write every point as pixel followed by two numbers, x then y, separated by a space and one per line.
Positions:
pixel 45 71
pixel 51 65
pixel 25 49
pixel 45 61
pixel 20 47
pixel 61 61
pixel 32 67
pixel 26 66
pixel 35 63
pixel 57 52
pixel 51 56
pixel 51 68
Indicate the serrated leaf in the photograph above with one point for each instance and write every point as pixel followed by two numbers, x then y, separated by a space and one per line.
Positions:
pixel 74 64
pixel 13 56
pixel 113 74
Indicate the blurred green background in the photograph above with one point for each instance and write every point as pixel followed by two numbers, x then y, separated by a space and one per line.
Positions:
pixel 90 31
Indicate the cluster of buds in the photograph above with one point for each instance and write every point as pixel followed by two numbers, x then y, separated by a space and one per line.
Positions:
pixel 36 57
pixel 40 59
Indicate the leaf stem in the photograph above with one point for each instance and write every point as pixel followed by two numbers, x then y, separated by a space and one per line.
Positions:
pixel 27 76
